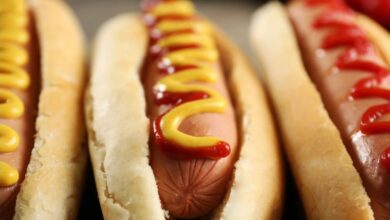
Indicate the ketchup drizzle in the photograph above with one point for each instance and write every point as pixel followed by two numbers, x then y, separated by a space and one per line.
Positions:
pixel 347 34
pixel 170 69
pixel 169 98
pixel 219 150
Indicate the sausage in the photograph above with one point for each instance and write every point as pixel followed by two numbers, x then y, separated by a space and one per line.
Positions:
pixel 24 125
pixel 337 83
pixel 156 150
pixel 191 187
pixel 41 148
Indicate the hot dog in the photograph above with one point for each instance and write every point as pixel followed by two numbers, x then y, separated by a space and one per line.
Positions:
pixel 41 159
pixel 191 127
pixel 346 57
pixel 203 181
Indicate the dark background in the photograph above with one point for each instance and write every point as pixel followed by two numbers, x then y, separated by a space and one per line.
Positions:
pixel 231 16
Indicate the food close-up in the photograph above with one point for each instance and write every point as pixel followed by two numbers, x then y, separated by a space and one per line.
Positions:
pixel 337 79
pixel 195 135
pixel 42 161
pixel 195 109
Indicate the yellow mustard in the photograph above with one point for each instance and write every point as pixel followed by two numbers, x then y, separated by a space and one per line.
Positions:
pixel 202 57
pixel 182 7
pixel 197 25
pixel 9 175
pixel 13 57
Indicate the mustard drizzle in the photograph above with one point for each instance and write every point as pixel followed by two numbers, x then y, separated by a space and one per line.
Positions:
pixel 13 57
pixel 202 57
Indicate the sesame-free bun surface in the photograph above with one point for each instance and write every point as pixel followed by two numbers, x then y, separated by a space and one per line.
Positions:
pixel 118 130
pixel 54 178
pixel 327 181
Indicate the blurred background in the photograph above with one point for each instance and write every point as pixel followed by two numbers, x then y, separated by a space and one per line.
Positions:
pixel 231 16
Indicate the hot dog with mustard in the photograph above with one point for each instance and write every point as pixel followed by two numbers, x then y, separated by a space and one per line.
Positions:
pixel 189 133
pixel 41 159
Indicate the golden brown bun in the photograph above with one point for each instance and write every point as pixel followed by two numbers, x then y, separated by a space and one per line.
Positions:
pixel 118 128
pixel 54 178
pixel 377 34
pixel 119 132
pixel 257 189
pixel 329 185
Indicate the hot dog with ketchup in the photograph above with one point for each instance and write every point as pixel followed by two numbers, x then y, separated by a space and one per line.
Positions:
pixel 339 149
pixel 41 159
pixel 178 123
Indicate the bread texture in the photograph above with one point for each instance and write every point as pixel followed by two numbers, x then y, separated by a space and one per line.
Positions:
pixel 117 124
pixel 54 178
pixel 118 130
pixel 257 189
pixel 377 34
pixel 329 185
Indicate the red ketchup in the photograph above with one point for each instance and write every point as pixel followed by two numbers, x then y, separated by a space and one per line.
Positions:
pixel 379 10
pixel 219 150
pixel 347 34
pixel 385 158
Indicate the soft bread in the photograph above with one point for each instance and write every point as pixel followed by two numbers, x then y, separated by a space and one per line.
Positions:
pixel 258 182
pixel 117 125
pixel 54 179
pixel 119 132
pixel 328 183
pixel 377 34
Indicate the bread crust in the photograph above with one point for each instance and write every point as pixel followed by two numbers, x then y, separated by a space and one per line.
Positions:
pixel 54 178
pixel 329 185
pixel 377 34
pixel 257 187
pixel 117 124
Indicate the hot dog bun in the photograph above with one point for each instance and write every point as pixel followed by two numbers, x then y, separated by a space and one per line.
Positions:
pixel 52 185
pixel 126 185
pixel 377 34
pixel 329 184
